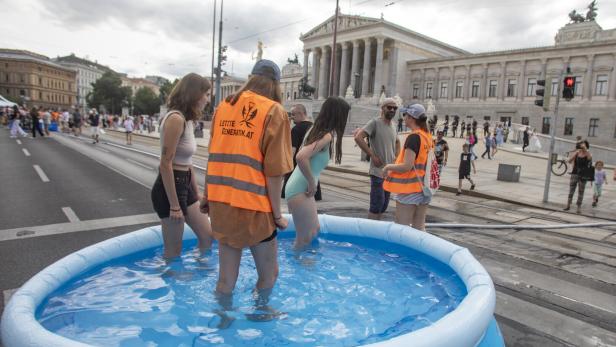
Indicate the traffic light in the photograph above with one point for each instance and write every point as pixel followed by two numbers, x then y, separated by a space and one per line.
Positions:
pixel 568 87
pixel 543 95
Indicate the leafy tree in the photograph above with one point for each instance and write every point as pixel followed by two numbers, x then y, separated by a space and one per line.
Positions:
pixel 109 93
pixel 166 89
pixel 145 101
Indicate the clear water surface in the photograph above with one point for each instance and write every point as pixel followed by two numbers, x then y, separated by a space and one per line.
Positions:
pixel 341 292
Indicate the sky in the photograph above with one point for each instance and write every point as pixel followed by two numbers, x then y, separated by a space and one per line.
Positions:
pixel 173 38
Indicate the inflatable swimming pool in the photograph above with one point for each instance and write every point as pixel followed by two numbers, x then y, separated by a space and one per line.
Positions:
pixel 471 323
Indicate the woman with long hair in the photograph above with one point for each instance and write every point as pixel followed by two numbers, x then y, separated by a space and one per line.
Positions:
pixel 312 158
pixel 405 177
pixel 249 154
pixel 175 194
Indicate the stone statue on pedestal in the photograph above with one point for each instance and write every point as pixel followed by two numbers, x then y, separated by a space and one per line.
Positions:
pixel 350 93
pixel 305 90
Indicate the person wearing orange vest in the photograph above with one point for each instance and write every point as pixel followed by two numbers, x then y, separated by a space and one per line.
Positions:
pixel 405 178
pixel 249 154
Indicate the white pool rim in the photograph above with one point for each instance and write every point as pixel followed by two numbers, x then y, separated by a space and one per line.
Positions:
pixel 463 327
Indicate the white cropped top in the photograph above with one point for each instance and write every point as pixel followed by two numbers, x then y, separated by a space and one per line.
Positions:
pixel 187 146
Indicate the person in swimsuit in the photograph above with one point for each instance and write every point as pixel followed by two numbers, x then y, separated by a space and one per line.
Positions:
pixel 312 158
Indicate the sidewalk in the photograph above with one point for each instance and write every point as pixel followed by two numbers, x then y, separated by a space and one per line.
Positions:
pixel 528 191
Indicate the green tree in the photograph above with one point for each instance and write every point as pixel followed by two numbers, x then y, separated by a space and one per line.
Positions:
pixel 166 89
pixel 109 93
pixel 145 102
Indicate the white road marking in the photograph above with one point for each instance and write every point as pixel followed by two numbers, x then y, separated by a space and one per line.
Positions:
pixel 70 214
pixel 64 228
pixel 19 142
pixel 103 150
pixel 41 174
pixel 26 152
pixel 7 295
pixel 139 164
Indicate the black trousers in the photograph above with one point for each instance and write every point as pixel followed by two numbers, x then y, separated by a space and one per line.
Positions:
pixel 36 127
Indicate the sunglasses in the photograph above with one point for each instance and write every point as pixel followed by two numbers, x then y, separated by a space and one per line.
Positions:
pixel 392 108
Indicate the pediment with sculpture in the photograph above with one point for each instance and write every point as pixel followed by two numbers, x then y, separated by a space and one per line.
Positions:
pixel 344 23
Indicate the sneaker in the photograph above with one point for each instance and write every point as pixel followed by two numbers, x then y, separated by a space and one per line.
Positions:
pixel 567 208
pixel 473 187
pixel 458 193
pixel 579 210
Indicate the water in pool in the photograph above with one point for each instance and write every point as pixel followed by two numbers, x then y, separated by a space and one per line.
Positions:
pixel 341 292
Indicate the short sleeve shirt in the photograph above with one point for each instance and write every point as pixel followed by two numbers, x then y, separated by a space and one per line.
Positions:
pixel 439 150
pixel 382 141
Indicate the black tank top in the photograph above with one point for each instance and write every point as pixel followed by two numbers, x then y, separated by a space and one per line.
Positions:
pixel 580 163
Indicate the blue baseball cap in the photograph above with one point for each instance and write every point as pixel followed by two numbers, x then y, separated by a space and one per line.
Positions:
pixel 267 68
pixel 416 111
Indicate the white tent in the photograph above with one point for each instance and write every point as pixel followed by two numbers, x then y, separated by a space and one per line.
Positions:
pixel 4 102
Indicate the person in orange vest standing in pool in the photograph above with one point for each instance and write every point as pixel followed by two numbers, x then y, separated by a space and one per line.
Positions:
pixel 405 178
pixel 249 154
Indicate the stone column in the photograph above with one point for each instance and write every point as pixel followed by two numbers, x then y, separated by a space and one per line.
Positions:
pixel 378 67
pixel 366 72
pixel 344 70
pixel 393 70
pixel 306 53
pixel 450 87
pixel 467 84
pixel 354 65
pixel 422 81
pixel 522 81
pixel 612 81
pixel 322 73
pixel 315 72
pixel 484 83
pixel 501 85
pixel 327 71
pixel 588 77
pixel 436 85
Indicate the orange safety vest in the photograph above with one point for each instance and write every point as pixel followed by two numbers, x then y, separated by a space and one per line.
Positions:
pixel 412 180
pixel 235 165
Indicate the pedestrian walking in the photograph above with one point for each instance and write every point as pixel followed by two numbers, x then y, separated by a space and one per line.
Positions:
pixel 446 126
pixel 488 143
pixel 499 135
pixel 46 121
pixel 400 122
pixel 464 170
pixel 525 139
pixel 441 151
pixel 486 128
pixel 129 127
pixel 384 146
pixel 494 147
pixel 77 123
pixel 312 158
pixel 175 194
pixel 16 129
pixel 454 126
pixel 581 173
pixel 600 180
pixel 406 177
pixel 94 120
pixel 462 129
pixel 249 154
pixel 471 140
pixel 36 125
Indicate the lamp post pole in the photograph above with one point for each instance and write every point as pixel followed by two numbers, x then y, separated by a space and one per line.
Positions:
pixel 332 66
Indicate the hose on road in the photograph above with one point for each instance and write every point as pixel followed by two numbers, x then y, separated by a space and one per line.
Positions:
pixel 518 226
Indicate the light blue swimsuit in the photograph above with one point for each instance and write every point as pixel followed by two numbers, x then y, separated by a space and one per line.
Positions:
pixel 297 183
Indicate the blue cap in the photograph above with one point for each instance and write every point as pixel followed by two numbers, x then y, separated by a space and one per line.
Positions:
pixel 416 111
pixel 267 68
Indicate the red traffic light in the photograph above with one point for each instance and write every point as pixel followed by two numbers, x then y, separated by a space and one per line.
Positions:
pixel 569 82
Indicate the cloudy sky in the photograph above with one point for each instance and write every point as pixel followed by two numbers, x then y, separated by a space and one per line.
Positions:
pixel 172 38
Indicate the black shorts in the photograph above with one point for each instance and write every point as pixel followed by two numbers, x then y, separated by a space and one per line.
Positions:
pixel 464 175
pixel 183 188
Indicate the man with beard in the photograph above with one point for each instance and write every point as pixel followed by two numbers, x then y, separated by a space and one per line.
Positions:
pixel 383 149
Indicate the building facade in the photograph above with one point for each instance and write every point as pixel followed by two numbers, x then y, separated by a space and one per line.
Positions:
pixel 36 80
pixel 501 86
pixel 230 85
pixel 88 73
pixel 289 81
pixel 136 83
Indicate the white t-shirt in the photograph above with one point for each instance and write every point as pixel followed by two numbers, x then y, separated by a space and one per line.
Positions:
pixel 129 125
pixel 65 116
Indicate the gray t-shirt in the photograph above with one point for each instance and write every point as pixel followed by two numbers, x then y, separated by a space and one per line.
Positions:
pixel 382 141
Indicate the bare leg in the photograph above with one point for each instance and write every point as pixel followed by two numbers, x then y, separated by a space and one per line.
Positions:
pixel 229 267
pixel 172 238
pixel 265 255
pixel 200 224
pixel 459 186
pixel 304 211
pixel 404 213
pixel 419 220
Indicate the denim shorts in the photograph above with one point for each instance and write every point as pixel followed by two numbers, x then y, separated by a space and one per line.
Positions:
pixel 183 188
pixel 379 198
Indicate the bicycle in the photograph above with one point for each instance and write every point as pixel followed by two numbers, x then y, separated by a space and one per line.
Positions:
pixel 560 167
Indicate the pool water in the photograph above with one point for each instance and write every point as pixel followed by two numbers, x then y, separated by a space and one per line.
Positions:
pixel 341 292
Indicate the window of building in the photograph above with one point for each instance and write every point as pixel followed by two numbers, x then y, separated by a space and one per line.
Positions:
pixel 428 90
pixel 592 127
pixel 6 77
pixel 415 91
pixel 40 96
pixel 22 78
pixel 459 87
pixel 601 88
pixel 545 127
pixel 531 87
pixel 40 81
pixel 511 87
pixel 22 92
pixel 475 89
pixel 554 91
pixel 578 86
pixel 443 93
pixel 568 126
pixel 525 121
pixel 492 90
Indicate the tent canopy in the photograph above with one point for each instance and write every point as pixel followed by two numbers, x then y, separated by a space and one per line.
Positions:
pixel 4 102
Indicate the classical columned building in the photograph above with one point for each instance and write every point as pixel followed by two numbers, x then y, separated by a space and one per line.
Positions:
pixel 370 57
pixel 230 85
pixel 501 86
